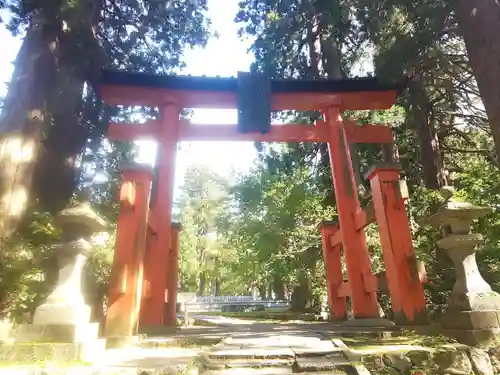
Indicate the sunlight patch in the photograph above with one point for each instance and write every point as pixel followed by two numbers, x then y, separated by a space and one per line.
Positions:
pixel 15 201
pixel 18 150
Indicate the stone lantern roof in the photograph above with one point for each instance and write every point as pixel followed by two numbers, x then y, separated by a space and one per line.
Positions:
pixel 81 215
pixel 452 211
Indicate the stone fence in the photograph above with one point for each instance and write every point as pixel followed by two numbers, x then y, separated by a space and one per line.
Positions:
pixel 195 303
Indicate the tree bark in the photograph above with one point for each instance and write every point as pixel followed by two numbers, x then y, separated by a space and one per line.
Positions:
pixel 40 134
pixel 262 291
pixel 201 285
pixel 21 123
pixel 217 287
pixel 278 288
pixel 429 144
pixel 479 23
pixel 301 295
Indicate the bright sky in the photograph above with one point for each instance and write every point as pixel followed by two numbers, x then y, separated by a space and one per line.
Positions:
pixel 224 57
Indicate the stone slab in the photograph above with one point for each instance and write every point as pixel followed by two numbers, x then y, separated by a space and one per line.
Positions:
pixel 357 368
pixel 323 348
pixel 369 322
pixel 481 362
pixel 54 352
pixel 122 341
pixel 470 319
pixel 253 371
pixel 62 333
pixel 473 337
pixel 282 340
pixel 160 358
pixel 246 363
pixel 319 364
pixel 242 353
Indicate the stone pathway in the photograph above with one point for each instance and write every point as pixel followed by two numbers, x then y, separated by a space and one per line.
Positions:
pixel 257 349
pixel 281 349
pixel 273 353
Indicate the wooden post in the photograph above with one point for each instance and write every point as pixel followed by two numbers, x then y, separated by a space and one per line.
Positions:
pixel 172 277
pixel 333 270
pixel 406 290
pixel 158 252
pixel 125 286
pixel 361 280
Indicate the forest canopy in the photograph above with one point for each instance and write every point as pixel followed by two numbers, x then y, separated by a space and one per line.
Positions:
pixel 258 232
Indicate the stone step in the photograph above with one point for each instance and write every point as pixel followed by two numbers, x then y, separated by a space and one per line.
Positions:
pixel 278 371
pixel 320 364
pixel 372 334
pixel 178 342
pixel 318 349
pixel 245 363
pixel 252 371
pixel 91 351
pixel 251 353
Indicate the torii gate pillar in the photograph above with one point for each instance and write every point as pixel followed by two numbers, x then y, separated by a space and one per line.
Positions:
pixel 152 309
pixel 125 285
pixel 172 277
pixel 363 282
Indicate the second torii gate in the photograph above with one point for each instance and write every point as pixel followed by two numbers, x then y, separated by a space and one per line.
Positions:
pixel 132 289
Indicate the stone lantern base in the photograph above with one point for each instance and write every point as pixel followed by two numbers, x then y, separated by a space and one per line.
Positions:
pixel 61 329
pixel 55 343
pixel 473 319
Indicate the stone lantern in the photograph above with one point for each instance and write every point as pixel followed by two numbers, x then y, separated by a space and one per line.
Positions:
pixel 473 310
pixel 63 320
pixel 66 304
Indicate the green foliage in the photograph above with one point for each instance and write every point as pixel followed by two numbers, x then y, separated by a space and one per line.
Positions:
pixel 202 251
pixel 135 35
pixel 29 269
pixel 440 128
pixel 260 233
pixel 274 228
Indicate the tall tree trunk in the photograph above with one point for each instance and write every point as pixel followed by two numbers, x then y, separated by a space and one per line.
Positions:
pixel 21 123
pixel 217 287
pixel 279 288
pixel 301 295
pixel 39 128
pixel 269 293
pixel 262 291
pixel 430 152
pixel 479 23
pixel 201 284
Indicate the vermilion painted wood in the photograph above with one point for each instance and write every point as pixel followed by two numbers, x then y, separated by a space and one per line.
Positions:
pixel 344 290
pixel 333 270
pixel 406 290
pixel 162 264
pixel 336 238
pixel 152 223
pixel 127 194
pixel 172 277
pixel 364 217
pixel 157 262
pixel 125 286
pixel 278 133
pixel 357 257
pixel 155 97
pixel 148 266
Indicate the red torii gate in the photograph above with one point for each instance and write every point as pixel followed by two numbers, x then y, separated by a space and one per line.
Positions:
pixel 147 241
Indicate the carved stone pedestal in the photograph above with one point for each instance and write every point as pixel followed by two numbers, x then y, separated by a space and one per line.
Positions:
pixel 66 305
pixel 61 329
pixel 473 312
